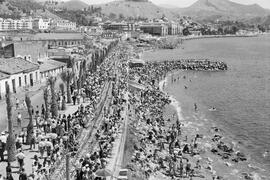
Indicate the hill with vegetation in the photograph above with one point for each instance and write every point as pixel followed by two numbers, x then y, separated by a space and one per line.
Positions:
pixel 16 9
pixel 73 5
pixel 135 9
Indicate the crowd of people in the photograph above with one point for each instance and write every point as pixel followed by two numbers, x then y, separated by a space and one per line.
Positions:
pixel 107 133
pixel 55 136
pixel 161 147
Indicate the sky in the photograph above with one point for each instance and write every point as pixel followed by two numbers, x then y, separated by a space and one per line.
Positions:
pixel 185 3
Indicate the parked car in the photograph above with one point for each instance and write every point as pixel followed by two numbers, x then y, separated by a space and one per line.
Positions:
pixel 123 174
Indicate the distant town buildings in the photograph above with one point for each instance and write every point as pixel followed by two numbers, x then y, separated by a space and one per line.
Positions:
pixel 41 24
pixel 10 24
pixel 36 24
pixel 155 29
pixel 63 25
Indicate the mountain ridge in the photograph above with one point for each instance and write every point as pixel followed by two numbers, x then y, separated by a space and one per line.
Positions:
pixel 223 9
pixel 136 9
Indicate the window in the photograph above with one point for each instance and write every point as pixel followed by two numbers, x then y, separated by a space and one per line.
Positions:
pixel 36 76
pixel 20 81
pixel 25 79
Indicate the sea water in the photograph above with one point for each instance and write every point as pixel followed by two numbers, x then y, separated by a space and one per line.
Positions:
pixel 240 95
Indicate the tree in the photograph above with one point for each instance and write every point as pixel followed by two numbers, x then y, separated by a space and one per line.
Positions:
pixel 220 31
pixel 112 16
pixel 54 106
pixel 67 77
pixel 30 127
pixel 121 16
pixel 186 32
pixel 72 65
pixel 234 30
pixel 62 88
pixel 80 79
pixel 46 101
pixel 11 149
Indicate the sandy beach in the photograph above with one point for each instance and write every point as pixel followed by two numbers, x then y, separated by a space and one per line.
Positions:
pixel 211 154
pixel 212 163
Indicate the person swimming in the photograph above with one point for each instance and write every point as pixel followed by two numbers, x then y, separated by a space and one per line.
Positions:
pixel 266 154
pixel 212 109
pixel 195 107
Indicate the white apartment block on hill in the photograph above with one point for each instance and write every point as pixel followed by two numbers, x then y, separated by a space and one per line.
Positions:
pixel 41 24
pixel 14 24
pixel 63 25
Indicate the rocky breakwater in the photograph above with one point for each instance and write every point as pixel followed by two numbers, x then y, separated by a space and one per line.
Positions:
pixel 192 64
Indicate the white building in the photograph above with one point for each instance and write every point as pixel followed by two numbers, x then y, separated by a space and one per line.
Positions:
pixel 41 24
pixel 15 24
pixel 18 73
pixel 63 25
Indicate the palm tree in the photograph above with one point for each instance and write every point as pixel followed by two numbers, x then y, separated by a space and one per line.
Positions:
pixel 11 149
pixel 54 106
pixel 30 127
pixel 46 101
pixel 67 76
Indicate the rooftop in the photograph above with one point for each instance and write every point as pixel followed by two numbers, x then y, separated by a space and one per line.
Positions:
pixel 57 36
pixel 3 76
pixel 51 65
pixel 16 65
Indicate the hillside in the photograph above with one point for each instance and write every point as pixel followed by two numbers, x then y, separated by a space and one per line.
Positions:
pixel 204 10
pixel 15 9
pixel 136 9
pixel 73 5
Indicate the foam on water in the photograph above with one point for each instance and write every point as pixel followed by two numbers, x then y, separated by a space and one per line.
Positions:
pixel 174 102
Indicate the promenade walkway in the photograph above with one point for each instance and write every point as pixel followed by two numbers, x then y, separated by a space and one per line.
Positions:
pixel 29 154
pixel 115 162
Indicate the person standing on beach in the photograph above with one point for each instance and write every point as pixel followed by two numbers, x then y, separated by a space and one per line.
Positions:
pixel 19 119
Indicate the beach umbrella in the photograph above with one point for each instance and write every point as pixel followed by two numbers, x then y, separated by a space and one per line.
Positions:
pixel 48 144
pixel 103 173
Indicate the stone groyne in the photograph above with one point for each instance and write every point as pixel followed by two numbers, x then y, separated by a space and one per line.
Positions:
pixel 194 64
pixel 216 36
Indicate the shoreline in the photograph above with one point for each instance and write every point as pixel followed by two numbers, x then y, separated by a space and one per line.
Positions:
pixel 218 36
pixel 216 162
pixel 252 168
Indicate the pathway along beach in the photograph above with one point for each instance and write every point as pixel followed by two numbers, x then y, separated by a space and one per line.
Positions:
pixel 165 145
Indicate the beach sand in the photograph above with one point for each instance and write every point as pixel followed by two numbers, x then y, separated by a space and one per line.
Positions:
pixel 212 164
